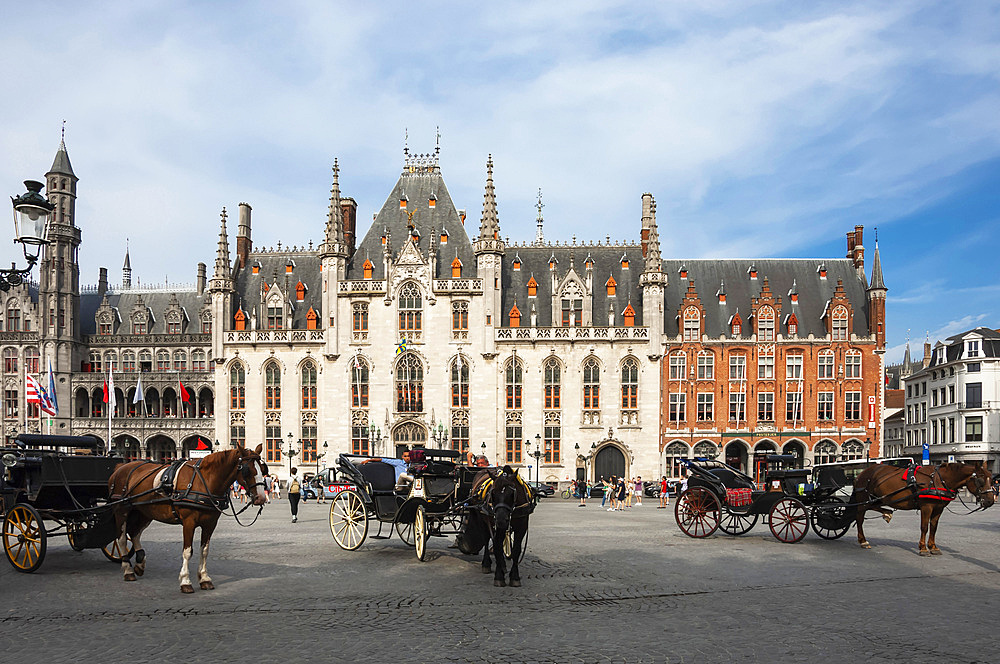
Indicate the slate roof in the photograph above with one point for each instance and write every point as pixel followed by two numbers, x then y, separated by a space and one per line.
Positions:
pixel 306 268
pixel 607 262
pixel 158 303
pixel 417 187
pixel 814 292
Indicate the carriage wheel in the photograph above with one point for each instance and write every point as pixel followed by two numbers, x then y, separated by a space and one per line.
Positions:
pixel 24 538
pixel 508 544
pixel 737 523
pixel 420 532
pixel 831 519
pixel 75 533
pixel 697 512
pixel 113 551
pixel 349 520
pixel 788 520
pixel 405 532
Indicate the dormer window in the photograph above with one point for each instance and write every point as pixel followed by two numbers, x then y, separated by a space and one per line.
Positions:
pixel 517 265
pixel 683 272
pixel 288 267
pixel 611 285
pixel 624 263
pixel 367 268
pixel 736 325
pixel 552 264
pixel 589 263
pixel 415 236
pixel 311 318
pixel 515 316
pixel 300 291
pixel 532 287
pixel 838 329
pixel 444 237
pixel 432 201
pixel 972 348
pixel 240 321
pixel 255 269
pixel 822 270
pixel 628 316
pixel 456 268
pixel 384 240
pixel 402 202
pixel 752 271
pixel 793 326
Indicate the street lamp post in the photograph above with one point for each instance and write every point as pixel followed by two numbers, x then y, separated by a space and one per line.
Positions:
pixel 440 435
pixel 538 458
pixel 374 437
pixel 31 216
pixel 484 448
pixel 325 446
pixel 291 453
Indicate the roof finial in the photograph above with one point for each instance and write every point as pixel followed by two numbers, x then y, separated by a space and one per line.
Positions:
pixel 437 140
pixel 406 141
pixel 539 237
pixel 63 136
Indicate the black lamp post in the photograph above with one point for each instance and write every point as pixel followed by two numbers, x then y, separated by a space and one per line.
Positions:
pixel 319 455
pixel 538 457
pixel 31 216
pixel 440 435
pixel 484 448
pixel 374 438
pixel 868 448
pixel 290 453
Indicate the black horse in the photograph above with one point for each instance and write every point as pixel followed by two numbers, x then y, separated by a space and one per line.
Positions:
pixel 505 503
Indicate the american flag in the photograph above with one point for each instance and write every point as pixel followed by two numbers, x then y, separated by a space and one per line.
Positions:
pixel 35 393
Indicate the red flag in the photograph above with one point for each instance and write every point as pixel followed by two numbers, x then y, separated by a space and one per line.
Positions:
pixel 202 445
pixel 105 391
pixel 184 395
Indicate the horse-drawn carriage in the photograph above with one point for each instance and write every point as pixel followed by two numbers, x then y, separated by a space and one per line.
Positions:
pixel 724 498
pixel 61 480
pixel 429 497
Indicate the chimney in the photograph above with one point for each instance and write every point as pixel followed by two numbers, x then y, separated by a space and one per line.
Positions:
pixel 102 282
pixel 850 244
pixel 243 243
pixel 349 212
pixel 859 251
pixel 201 279
pixel 647 220
pixel 927 354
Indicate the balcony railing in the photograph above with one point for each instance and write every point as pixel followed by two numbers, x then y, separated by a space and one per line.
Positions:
pixel 274 336
pixel 978 405
pixel 574 333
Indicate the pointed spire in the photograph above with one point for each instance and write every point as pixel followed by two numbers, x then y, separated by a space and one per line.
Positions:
pixel 127 269
pixel 489 229
pixel 61 163
pixel 654 262
pixel 333 241
pixel 222 270
pixel 539 236
pixel 877 282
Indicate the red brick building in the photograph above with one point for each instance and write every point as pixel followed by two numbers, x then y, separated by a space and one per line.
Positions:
pixel 773 355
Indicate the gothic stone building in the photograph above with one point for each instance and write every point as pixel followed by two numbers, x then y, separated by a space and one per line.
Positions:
pixel 420 334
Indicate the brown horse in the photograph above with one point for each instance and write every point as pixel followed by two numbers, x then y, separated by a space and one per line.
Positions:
pixel 928 489
pixel 196 496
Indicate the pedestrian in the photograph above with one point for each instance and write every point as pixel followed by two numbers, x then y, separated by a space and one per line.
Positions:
pixel 268 485
pixel 294 493
pixel 276 487
pixel 638 491
pixel 622 495
pixel 320 490
pixel 581 490
pixel 604 490
pixel 627 490
pixel 664 496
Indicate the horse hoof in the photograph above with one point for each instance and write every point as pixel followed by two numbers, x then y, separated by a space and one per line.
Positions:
pixel 187 589
pixel 924 552
pixel 140 570
pixel 130 577
pixel 515 583
pixel 207 585
pixel 887 517
pixel 487 570
pixel 499 583
pixel 865 545
pixel 935 552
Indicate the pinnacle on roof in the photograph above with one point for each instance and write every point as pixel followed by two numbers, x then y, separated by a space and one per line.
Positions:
pixel 539 236
pixel 654 262
pixel 61 163
pixel 127 265
pixel 334 237
pixel 490 226
pixel 222 270
pixel 877 282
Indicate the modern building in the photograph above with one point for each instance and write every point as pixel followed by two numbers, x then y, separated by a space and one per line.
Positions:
pixel 586 358
pixel 953 403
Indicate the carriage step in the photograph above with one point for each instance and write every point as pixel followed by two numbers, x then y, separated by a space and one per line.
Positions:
pixel 379 537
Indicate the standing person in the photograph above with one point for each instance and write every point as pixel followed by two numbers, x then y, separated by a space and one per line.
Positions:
pixel 627 490
pixel 294 493
pixel 664 498
pixel 320 490
pixel 638 491
pixel 622 495
pixel 604 491
pixel 268 486
pixel 276 487
pixel 581 489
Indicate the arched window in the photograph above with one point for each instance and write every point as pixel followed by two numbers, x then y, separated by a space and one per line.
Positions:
pixel 572 305
pixel 825 364
pixel 513 384
pixel 10 360
pixel 96 361
pixel 765 324
pixel 673 454
pixel 460 316
pixel 630 385
pixel 409 384
pixel 13 316
pixel 825 452
pixel 410 309
pixel 162 360
pixel 110 361
pixel 237 387
pixel 459 383
pixel 128 360
pixel 359 384
pixel 553 384
pixel 145 360
pixel 198 360
pixel 31 360
pixel 591 391
pixel 736 325
pixel 706 449
pixel 308 386
pixel 852 364
pixel 839 326
pixel 853 450
pixel 272 386
pixel 180 360
pixel 359 320
pixel 692 324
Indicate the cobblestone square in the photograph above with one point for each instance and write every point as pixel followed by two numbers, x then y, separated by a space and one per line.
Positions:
pixel 598 587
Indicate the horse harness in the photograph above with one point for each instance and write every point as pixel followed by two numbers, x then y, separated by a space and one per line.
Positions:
pixel 943 493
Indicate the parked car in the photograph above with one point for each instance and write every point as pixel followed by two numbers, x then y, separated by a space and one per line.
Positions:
pixel 541 489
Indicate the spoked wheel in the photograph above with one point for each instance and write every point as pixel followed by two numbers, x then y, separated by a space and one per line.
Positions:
pixel 697 512
pixel 405 532
pixel 737 523
pixel 420 532
pixel 831 519
pixel 349 520
pixel 113 551
pixel 24 538
pixel 76 533
pixel 788 520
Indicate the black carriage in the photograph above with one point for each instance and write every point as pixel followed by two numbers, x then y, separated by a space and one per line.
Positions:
pixel 61 480
pixel 429 498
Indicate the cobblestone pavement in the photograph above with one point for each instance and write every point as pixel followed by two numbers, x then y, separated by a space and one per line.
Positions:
pixel 598 587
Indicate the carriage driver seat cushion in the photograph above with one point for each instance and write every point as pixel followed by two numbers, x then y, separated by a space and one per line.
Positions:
pixel 381 476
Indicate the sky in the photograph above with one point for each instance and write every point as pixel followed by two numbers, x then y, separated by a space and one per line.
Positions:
pixel 762 128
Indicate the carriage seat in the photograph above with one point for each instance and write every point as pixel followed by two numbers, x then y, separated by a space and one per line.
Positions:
pixel 730 480
pixel 790 478
pixel 381 477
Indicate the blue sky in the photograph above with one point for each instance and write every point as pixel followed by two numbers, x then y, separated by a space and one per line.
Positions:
pixel 762 128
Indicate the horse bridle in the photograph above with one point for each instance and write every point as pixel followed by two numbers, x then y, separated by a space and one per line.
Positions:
pixel 246 470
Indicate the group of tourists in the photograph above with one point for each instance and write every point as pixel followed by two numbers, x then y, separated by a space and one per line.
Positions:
pixel 620 494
